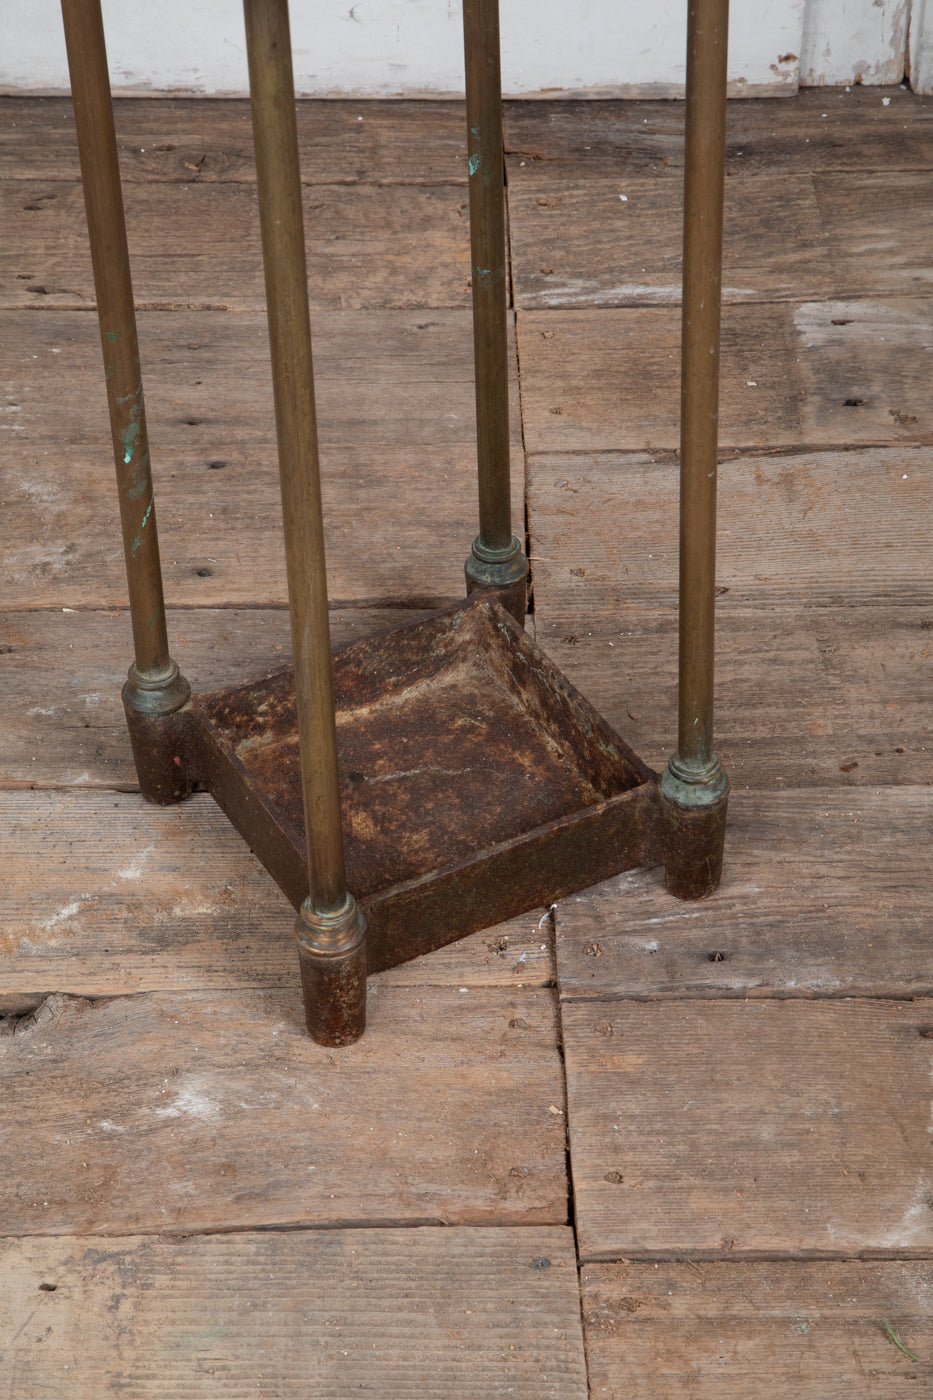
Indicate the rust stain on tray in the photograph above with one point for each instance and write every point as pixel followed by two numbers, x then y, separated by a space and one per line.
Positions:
pixel 476 782
pixel 450 741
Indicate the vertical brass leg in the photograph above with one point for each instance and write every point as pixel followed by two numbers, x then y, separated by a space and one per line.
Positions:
pixel 694 786
pixel 497 561
pixel 330 928
pixel 155 692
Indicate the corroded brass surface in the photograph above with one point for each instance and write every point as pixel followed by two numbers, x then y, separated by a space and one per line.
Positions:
pixel 704 162
pixel 497 560
pixel 278 176
pixel 100 176
pixel 155 687
pixel 279 185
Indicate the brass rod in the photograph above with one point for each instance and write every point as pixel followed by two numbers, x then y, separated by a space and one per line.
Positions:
pixel 486 164
pixel 704 159
pixel 279 188
pixel 100 174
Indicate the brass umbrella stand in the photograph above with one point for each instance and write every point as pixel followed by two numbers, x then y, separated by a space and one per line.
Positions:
pixel 433 779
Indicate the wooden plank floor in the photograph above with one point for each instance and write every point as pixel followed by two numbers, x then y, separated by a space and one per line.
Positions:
pixel 624 1146
pixel 326 1314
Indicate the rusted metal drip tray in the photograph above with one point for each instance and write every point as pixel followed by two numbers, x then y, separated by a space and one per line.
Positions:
pixel 476 782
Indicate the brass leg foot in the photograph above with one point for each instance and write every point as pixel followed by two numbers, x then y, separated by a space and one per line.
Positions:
pixel 693 804
pixel 332 954
pixel 503 572
pixel 157 713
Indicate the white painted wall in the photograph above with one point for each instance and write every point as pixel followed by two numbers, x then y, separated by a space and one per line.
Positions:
pixel 854 41
pixel 409 47
pixel 920 46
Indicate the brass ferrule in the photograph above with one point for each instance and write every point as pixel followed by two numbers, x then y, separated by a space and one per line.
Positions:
pixel 692 784
pixel 496 568
pixel 333 933
pixel 156 693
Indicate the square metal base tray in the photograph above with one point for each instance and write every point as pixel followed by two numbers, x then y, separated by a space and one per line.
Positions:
pixel 476 782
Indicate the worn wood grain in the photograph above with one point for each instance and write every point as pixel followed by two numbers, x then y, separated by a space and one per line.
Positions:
pixel 814 374
pixel 807 237
pixel 216 1112
pixel 397 428
pixel 424 142
pixel 824 894
pixel 166 140
pixel 718 1331
pixel 824 639
pixel 806 696
pixel 877 230
pixel 480 1314
pixel 843 528
pixel 105 894
pixel 821 129
pixel 789 1128
pixel 615 240
pixel 196 246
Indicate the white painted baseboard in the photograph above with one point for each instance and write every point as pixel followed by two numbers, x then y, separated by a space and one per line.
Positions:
pixel 854 41
pixel 920 47
pixel 408 47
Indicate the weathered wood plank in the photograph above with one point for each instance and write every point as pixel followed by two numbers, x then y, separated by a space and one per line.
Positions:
pixel 830 528
pixel 424 142
pixel 877 230
pixel 806 696
pixel 718 1331
pixel 792 1128
pixel 607 380
pixel 202 1113
pixel 616 241
pixel 105 894
pixel 817 374
pixel 197 246
pixel 211 140
pixel 803 238
pixel 397 427
pixel 404 1314
pixel 823 643
pixel 825 129
pixel 824 894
